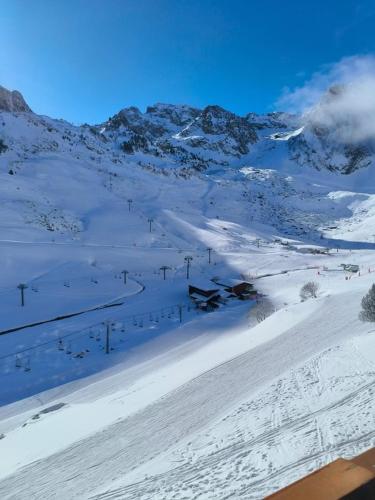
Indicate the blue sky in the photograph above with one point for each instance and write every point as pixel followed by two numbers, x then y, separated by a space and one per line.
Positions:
pixel 83 60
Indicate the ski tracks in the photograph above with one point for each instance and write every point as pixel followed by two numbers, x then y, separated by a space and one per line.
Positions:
pixel 260 443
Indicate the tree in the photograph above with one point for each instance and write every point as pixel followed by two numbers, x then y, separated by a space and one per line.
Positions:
pixel 263 309
pixel 3 146
pixel 368 306
pixel 309 290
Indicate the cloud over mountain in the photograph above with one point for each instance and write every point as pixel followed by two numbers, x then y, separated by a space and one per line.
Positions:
pixel 341 98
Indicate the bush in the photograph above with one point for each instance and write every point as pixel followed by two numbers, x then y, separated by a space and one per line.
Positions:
pixel 309 290
pixel 263 309
pixel 3 146
pixel 368 306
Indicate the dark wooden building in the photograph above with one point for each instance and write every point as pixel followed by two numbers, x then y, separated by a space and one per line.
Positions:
pixel 237 288
pixel 205 295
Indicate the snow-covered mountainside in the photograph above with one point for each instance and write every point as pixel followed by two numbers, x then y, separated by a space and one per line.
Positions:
pixel 185 138
pixel 113 384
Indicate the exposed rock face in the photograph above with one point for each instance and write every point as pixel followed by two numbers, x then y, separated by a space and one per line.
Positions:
pixel 182 133
pixel 178 115
pixel 233 133
pixel 171 136
pixel 12 101
pixel 276 120
pixel 317 148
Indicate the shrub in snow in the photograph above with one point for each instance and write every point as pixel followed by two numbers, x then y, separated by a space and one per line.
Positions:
pixel 368 306
pixel 309 290
pixel 263 309
pixel 3 146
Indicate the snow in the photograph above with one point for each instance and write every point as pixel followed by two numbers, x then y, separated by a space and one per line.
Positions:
pixel 209 405
pixel 285 136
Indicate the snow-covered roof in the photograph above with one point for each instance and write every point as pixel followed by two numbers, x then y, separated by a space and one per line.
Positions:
pixel 229 282
pixel 234 282
pixel 203 298
pixel 204 284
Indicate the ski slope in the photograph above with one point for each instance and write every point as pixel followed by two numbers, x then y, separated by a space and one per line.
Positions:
pixel 223 413
pixel 212 431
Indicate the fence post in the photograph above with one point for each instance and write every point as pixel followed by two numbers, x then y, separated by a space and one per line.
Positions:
pixel 108 333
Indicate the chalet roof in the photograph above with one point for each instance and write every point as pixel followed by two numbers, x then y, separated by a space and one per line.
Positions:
pixel 204 284
pixel 230 282
pixel 234 282
pixel 203 298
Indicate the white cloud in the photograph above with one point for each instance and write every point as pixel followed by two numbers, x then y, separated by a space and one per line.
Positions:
pixel 348 112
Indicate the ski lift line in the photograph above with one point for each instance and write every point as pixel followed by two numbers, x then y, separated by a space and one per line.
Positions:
pixel 38 280
pixel 82 333
pixel 77 336
pixel 79 333
pixel 59 318
pixel 93 245
pixel 113 303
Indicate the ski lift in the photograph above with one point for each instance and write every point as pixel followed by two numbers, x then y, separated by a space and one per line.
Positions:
pixel 27 367
pixel 18 361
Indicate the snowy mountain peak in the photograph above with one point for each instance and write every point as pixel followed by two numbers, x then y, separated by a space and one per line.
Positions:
pixel 334 136
pixel 179 115
pixel 12 101
pixel 233 133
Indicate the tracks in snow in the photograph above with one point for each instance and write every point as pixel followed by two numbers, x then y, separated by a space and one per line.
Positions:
pixel 107 456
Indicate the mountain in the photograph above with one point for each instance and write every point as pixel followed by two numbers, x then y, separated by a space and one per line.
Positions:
pixel 179 137
pixel 256 153
pixel 12 101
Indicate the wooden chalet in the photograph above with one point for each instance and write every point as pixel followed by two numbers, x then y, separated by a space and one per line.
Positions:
pixel 205 295
pixel 237 288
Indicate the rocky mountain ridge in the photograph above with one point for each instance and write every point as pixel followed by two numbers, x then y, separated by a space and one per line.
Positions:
pixel 12 101
pixel 168 136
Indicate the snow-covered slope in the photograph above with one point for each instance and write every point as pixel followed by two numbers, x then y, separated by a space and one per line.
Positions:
pixel 183 404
